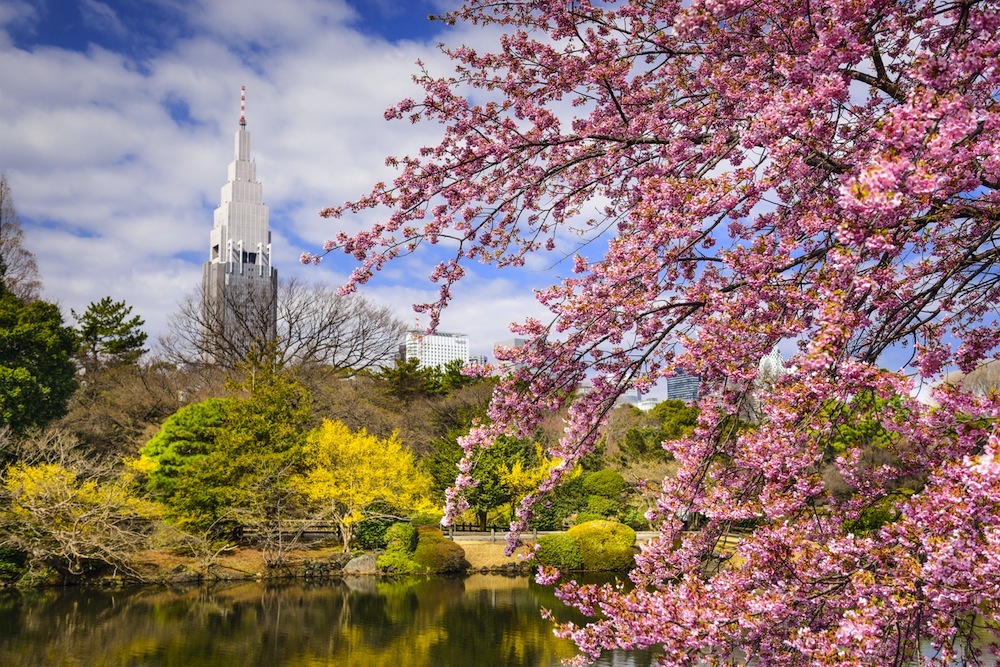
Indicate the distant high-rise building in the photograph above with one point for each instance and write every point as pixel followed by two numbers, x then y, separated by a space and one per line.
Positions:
pixel 647 404
pixel 239 285
pixel 510 343
pixel 683 387
pixel 435 349
pixel 771 367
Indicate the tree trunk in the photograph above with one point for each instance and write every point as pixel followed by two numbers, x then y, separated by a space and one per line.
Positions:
pixel 345 535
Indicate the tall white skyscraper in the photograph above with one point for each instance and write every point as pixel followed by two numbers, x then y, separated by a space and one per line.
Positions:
pixel 239 285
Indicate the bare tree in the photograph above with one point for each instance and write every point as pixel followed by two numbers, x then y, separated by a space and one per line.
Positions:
pixel 981 380
pixel 17 264
pixel 316 329
pixel 119 408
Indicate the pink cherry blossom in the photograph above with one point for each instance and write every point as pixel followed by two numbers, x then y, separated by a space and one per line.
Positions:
pixel 818 172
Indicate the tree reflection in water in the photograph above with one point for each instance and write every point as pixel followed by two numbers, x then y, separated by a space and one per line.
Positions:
pixel 480 620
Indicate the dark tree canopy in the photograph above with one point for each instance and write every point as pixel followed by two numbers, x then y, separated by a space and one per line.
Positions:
pixel 243 477
pixel 37 375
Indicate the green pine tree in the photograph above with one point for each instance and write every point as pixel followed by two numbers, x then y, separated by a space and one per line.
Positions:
pixel 107 335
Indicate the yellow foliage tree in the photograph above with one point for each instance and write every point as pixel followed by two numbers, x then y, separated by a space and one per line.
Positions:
pixel 63 521
pixel 522 478
pixel 351 471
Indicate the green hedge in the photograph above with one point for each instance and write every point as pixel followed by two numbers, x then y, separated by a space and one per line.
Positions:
pixel 13 564
pixel 400 541
pixel 559 551
pixel 396 562
pixel 412 549
pixel 401 537
pixel 607 483
pixel 603 507
pixel 587 517
pixel 604 545
pixel 436 553
pixel 634 518
pixel 369 534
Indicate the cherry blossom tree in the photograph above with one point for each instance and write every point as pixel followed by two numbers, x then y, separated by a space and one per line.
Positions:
pixel 737 174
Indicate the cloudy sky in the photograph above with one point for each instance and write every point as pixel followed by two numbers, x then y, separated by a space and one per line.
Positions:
pixel 116 131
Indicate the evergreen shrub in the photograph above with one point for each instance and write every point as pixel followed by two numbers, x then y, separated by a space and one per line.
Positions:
pixel 436 553
pixel 401 537
pixel 547 518
pixel 396 562
pixel 426 519
pixel 400 541
pixel 587 517
pixel 604 545
pixel 634 518
pixel 559 551
pixel 13 564
pixel 607 483
pixel 873 517
pixel 601 506
pixel 369 533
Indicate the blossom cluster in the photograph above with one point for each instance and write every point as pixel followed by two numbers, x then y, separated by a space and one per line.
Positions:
pixel 821 173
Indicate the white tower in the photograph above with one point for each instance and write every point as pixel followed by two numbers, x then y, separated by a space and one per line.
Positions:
pixel 239 285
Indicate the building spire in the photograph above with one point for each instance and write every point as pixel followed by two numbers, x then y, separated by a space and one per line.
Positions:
pixel 243 106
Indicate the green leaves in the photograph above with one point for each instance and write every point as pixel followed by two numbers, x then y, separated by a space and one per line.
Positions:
pixel 186 436
pixel 107 335
pixel 37 376
pixel 224 464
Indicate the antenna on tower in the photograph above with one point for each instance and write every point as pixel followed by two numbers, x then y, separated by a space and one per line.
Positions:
pixel 243 106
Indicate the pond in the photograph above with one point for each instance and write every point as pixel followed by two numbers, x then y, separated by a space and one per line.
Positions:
pixel 479 620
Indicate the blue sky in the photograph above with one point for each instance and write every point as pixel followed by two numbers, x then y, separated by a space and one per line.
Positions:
pixel 116 130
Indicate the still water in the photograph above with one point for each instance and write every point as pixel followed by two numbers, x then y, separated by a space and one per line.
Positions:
pixel 477 621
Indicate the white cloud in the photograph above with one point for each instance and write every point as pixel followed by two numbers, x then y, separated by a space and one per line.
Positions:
pixel 99 16
pixel 116 161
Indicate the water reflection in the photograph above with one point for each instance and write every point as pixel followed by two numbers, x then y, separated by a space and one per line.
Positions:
pixel 481 620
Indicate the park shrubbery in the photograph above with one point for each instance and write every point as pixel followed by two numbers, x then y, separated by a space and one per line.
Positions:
pixel 59 519
pixel 559 551
pixel 370 532
pixel 606 483
pixel 436 553
pixel 401 540
pixel 601 506
pixel 634 518
pixel 420 549
pixel 396 562
pixel 13 564
pixel 587 517
pixel 604 545
pixel 401 537
pixel 594 545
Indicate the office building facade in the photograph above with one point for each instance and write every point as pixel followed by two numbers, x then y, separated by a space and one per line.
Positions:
pixel 436 349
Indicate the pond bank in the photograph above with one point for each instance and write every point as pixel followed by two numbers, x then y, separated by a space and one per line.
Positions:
pixel 316 561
